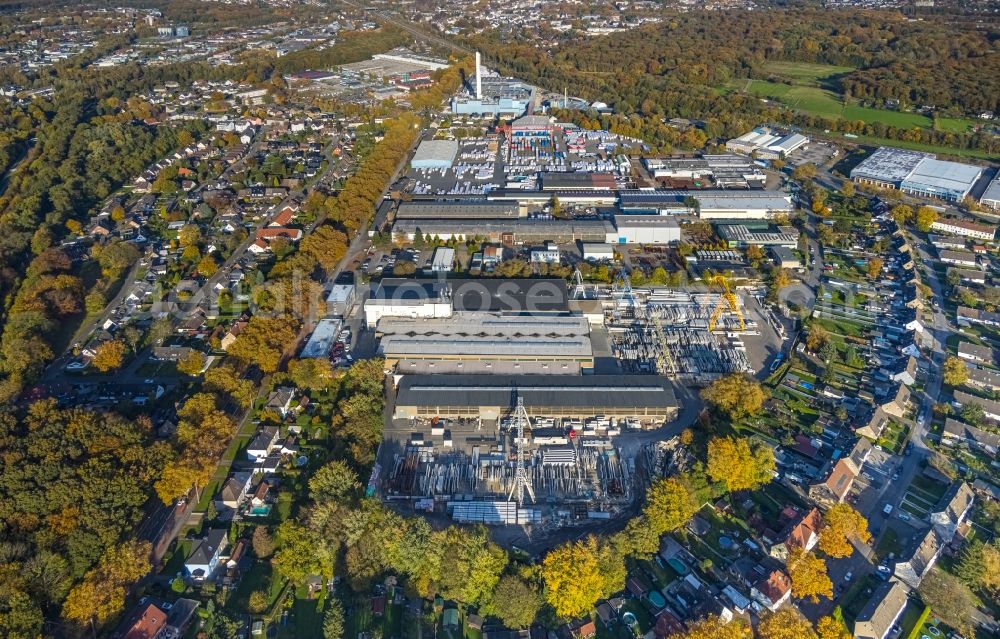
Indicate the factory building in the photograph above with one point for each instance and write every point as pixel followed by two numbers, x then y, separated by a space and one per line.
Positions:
pixel 435 154
pixel 531 125
pixel 917 174
pixel 646 398
pixel 441 298
pixel 580 180
pixel 443 259
pixel 726 170
pixel 645 229
pixel 740 205
pixel 582 197
pixel 758 233
pixel 656 202
pixel 767 144
pixel 991 197
pixel 487 343
pixel 459 209
pixel 598 252
pixel 508 232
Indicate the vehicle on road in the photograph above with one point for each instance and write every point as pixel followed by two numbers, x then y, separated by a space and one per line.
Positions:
pixel 903 516
pixel 849 576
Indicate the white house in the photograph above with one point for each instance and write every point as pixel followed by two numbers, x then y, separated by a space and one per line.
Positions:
pixel 205 555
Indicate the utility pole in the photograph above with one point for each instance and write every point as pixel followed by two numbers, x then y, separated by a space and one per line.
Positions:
pixel 521 481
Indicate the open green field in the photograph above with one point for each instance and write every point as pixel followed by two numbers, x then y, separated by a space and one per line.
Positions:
pixel 805 71
pixel 811 88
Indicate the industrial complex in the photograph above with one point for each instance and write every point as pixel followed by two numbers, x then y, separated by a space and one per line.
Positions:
pixel 916 173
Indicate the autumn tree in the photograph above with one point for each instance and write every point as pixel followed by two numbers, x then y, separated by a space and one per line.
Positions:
pixel 954 371
pixel 841 524
pixel 101 594
pixel 192 363
pixel 109 355
pixel 315 373
pixel 738 464
pixel 786 623
pixel 262 542
pixel 979 565
pixel 713 627
pixel 809 576
pixel 755 254
pixel 875 267
pixel 572 577
pixel 669 505
pixel 902 213
pixel 926 216
pixel 514 601
pixel 830 628
pixel 264 340
pixel 816 338
pixel 737 395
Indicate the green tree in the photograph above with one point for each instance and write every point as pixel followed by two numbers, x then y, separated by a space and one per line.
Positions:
pixel 515 602
pixel 333 482
pixel 333 619
pixel 926 216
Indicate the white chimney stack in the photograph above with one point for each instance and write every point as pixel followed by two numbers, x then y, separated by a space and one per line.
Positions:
pixel 479 78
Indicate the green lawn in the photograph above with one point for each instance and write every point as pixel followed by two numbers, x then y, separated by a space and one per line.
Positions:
pixel 888 543
pixel 805 71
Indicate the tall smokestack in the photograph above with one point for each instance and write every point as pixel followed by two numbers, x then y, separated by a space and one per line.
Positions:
pixel 479 78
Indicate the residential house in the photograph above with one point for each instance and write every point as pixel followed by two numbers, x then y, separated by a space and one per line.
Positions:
pixel 150 623
pixel 958 258
pixel 896 402
pixel 881 612
pixel 905 371
pixel 976 353
pixel 876 424
pixel 973 437
pixel 966 316
pixel 801 534
pixel 914 565
pixel 983 378
pixel 231 335
pixel 280 400
pixel 834 489
pixel 772 591
pixel 284 217
pixel 263 442
pixel 991 408
pixel 234 489
pixel 171 353
pixel 967 276
pixel 952 510
pixel 205 554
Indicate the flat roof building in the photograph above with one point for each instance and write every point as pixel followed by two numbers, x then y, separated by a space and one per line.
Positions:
pixel 760 234
pixel 459 209
pixel 443 259
pixel 916 173
pixel 322 338
pixel 734 205
pixel 435 154
pixel 644 397
pixel 585 180
pixel 991 197
pixel 645 229
pixel 476 341
pixel 507 232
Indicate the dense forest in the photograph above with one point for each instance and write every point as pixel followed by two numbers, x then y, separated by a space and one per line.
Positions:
pixel 681 68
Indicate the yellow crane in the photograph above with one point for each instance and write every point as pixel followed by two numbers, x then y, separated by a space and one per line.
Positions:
pixel 727 301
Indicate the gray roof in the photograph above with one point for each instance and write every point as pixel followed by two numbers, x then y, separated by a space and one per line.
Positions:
pixel 977 351
pixel 963 431
pixel 992 194
pixel 537 391
pixel 888 164
pixel 942 174
pixel 486 335
pixel 487 295
pixel 436 151
pixel 205 549
pixel 467 209
pixel 881 612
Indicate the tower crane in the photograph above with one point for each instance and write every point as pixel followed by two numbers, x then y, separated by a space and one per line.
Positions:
pixel 727 301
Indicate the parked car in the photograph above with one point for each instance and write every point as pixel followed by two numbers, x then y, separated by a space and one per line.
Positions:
pixel 888 509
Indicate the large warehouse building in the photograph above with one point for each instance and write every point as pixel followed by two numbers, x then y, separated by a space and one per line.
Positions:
pixel 739 205
pixel 646 397
pixel 487 343
pixel 435 154
pixel 459 209
pixel 442 298
pixel 917 173
pixel 521 231
pixel 645 229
